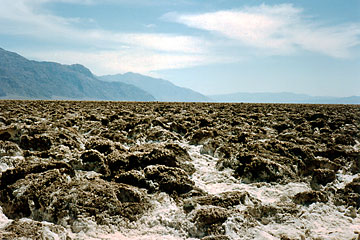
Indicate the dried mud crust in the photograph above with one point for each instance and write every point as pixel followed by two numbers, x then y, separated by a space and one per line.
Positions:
pixel 62 161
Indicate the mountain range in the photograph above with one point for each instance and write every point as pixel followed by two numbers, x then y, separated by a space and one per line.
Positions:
pixel 283 97
pixel 162 90
pixel 21 78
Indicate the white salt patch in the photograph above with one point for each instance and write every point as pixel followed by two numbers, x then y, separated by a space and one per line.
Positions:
pixel 20 191
pixel 3 167
pixel 319 221
pixel 6 162
pixel 49 235
pixel 357 145
pixel 80 174
pixel 4 221
pixel 82 146
pixel 165 219
pixel 209 179
pixel 274 193
pixel 342 179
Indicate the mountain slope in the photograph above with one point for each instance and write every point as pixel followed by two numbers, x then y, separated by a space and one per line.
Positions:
pixel 283 97
pixel 25 79
pixel 162 90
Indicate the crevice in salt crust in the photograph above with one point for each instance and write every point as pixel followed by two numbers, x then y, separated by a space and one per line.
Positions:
pixel 168 221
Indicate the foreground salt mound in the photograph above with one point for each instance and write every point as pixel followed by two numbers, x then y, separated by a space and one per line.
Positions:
pixel 269 210
pixel 102 170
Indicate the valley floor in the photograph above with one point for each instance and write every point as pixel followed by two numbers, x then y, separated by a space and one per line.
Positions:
pixel 211 171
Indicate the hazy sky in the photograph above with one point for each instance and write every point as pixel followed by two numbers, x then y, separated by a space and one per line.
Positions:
pixel 217 46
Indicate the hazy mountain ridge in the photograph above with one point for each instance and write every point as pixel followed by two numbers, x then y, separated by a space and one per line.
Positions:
pixel 283 97
pixel 161 89
pixel 21 78
pixel 26 79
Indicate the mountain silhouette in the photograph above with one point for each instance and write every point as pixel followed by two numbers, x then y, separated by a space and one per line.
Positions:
pixel 21 78
pixel 161 89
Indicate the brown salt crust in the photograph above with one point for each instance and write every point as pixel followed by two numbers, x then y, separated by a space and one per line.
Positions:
pixel 134 147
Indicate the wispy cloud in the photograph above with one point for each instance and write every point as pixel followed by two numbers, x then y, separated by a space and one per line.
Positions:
pixel 281 29
pixel 21 18
pixel 277 29
pixel 126 51
pixel 165 42
pixel 126 60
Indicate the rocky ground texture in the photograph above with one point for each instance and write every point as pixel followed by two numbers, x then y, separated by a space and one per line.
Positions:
pixel 222 171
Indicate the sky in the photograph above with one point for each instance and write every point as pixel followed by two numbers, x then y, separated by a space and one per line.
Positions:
pixel 211 46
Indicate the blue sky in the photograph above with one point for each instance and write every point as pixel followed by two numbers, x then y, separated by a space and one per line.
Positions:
pixel 213 47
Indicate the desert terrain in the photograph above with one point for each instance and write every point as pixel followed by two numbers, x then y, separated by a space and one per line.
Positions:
pixel 211 171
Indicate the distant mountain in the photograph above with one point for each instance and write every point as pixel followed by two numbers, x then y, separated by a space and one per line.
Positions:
pixel 21 78
pixel 162 90
pixel 283 97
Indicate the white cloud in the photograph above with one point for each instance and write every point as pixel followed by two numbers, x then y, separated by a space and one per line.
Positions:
pixel 281 29
pixel 333 41
pixel 150 25
pixel 83 2
pixel 18 17
pixel 144 51
pixel 112 62
pixel 165 42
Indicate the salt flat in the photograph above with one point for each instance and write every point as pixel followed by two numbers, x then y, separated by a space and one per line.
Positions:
pixel 133 170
